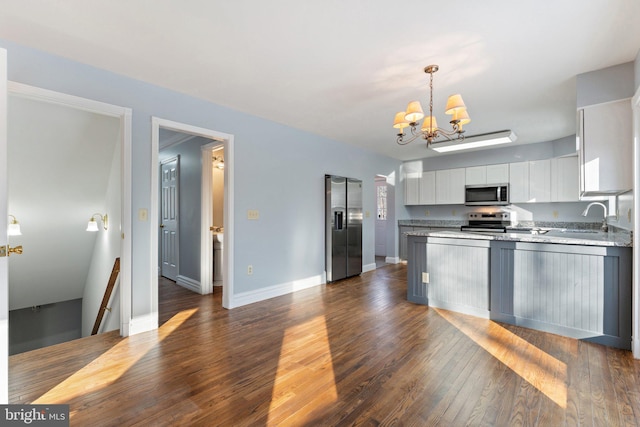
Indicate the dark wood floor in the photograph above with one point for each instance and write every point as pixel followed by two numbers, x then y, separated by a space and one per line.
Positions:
pixel 351 353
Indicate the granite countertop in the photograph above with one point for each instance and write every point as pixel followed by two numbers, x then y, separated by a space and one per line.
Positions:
pixel 555 236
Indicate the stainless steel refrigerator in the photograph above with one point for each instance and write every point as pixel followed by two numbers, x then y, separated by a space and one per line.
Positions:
pixel 343 227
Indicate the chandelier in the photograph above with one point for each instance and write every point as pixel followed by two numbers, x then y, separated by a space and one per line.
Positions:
pixel 429 129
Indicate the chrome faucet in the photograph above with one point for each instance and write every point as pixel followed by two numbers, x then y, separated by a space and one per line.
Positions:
pixel 604 227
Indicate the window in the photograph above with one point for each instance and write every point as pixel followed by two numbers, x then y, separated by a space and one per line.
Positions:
pixel 382 201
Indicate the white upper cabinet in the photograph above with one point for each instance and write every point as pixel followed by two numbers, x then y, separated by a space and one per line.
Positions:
pixel 519 182
pixel 498 174
pixel 428 188
pixel 420 188
pixel 491 174
pixel 540 181
pixel 412 188
pixel 606 148
pixel 476 175
pixel 450 186
pixel 565 179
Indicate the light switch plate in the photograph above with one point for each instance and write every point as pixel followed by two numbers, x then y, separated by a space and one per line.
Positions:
pixel 425 277
pixel 143 214
pixel 253 214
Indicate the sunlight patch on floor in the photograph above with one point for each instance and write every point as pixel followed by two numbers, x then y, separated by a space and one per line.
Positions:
pixel 112 364
pixel 544 372
pixel 305 378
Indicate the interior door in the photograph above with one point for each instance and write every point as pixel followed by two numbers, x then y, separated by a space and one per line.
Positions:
pixel 169 176
pixel 4 260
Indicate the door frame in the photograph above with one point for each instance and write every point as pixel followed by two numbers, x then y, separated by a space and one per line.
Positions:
pixel 206 213
pixel 635 307
pixel 4 241
pixel 206 249
pixel 377 235
pixel 124 115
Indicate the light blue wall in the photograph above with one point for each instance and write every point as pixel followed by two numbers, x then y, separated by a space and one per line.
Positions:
pixel 607 84
pixel 278 171
pixel 636 68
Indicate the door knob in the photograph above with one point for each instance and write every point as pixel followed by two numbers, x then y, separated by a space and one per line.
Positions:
pixel 8 250
pixel 161 225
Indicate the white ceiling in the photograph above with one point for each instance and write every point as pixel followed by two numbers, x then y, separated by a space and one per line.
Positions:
pixel 343 68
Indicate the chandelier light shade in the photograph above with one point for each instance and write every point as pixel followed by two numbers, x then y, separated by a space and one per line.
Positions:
pixel 429 129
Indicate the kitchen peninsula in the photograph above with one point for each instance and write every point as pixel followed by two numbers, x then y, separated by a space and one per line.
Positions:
pixel 575 283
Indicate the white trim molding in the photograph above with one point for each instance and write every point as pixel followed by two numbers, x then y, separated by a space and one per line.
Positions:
pixel 189 283
pixel 635 307
pixel 277 290
pixel 219 139
pixel 368 267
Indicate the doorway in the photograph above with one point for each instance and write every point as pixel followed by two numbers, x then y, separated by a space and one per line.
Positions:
pixel 218 140
pixel 381 220
pixel 67 207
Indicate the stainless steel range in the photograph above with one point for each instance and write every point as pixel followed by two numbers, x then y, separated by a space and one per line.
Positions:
pixel 494 222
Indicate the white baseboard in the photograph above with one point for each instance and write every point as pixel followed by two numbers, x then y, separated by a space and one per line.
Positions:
pixel 188 283
pixel 218 282
pixel 368 267
pixel 635 343
pixel 392 260
pixel 145 323
pixel 250 297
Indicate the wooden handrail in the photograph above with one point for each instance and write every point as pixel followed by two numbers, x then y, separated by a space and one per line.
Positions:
pixel 107 295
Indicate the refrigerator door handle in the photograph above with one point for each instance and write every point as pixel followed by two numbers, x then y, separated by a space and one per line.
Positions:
pixel 338 220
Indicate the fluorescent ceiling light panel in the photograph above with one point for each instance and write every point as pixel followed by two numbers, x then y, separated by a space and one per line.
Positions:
pixel 477 141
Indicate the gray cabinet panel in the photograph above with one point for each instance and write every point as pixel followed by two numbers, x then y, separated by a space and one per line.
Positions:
pixel 458 275
pixel 578 291
pixel 416 290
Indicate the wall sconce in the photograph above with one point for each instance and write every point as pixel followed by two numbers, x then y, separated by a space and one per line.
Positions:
pixel 14 227
pixel 92 225
pixel 220 161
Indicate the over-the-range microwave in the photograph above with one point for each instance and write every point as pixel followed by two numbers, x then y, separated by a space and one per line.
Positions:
pixel 486 195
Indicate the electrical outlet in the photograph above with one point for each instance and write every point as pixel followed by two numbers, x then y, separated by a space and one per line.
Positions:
pixel 555 214
pixel 453 212
pixel 253 214
pixel 249 270
pixel 367 214
pixel 427 213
